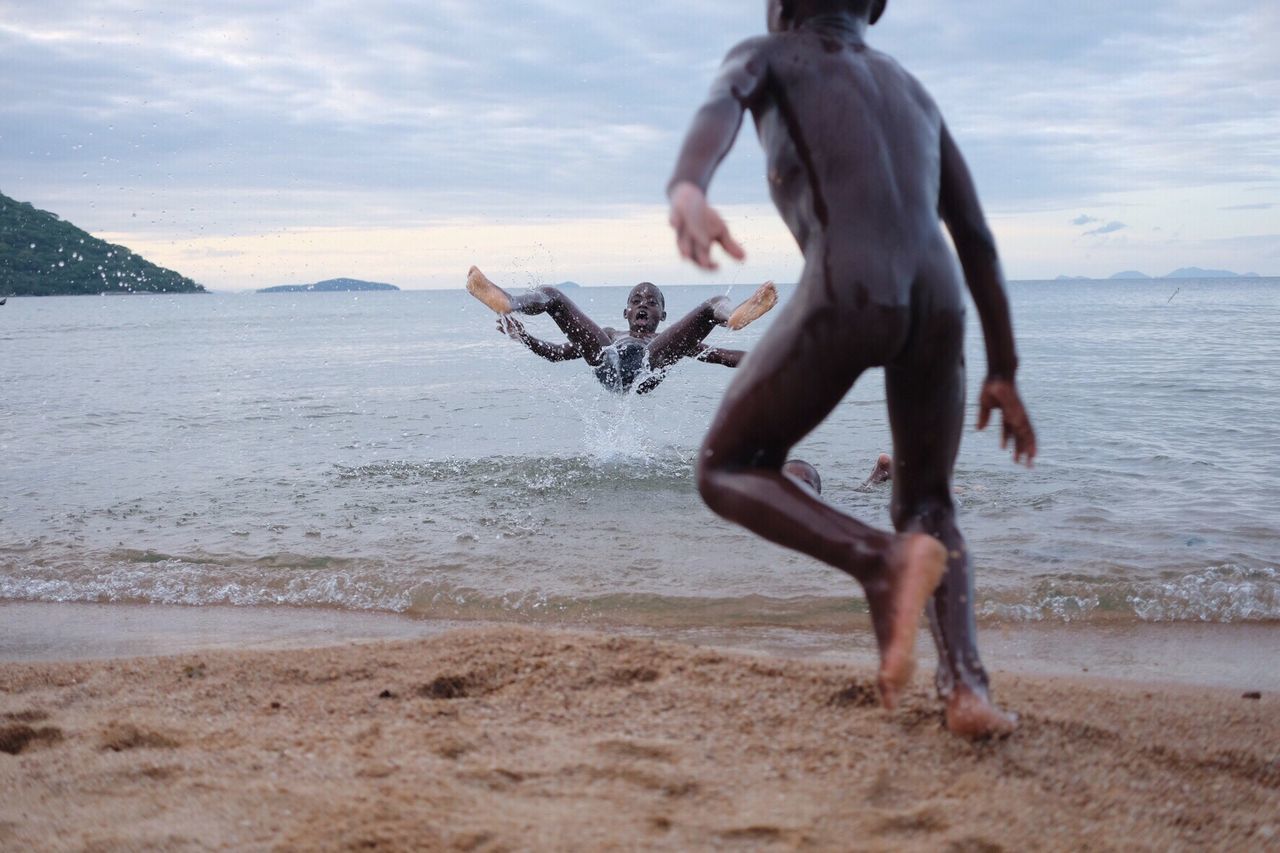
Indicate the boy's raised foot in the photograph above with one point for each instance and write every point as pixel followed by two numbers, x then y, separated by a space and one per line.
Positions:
pixel 487 292
pixel 755 307
pixel 916 566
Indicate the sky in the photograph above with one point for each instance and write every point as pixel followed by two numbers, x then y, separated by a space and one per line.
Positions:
pixel 249 143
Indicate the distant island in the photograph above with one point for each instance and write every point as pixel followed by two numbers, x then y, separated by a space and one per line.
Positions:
pixel 1181 272
pixel 330 285
pixel 1196 272
pixel 40 255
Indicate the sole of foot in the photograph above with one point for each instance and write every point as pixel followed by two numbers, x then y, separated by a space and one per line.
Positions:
pixel 917 567
pixel 972 716
pixel 487 292
pixel 757 305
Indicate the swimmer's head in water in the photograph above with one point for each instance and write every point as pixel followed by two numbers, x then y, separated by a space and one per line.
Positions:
pixel 782 14
pixel 804 472
pixel 646 307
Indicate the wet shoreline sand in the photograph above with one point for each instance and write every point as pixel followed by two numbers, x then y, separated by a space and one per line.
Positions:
pixel 1206 654
pixel 509 737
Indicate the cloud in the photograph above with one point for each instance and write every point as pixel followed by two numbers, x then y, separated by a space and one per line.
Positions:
pixel 1109 228
pixel 1255 206
pixel 1084 219
pixel 253 116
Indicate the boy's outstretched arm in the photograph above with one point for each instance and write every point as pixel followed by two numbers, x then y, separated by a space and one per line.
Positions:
pixel 514 329
pixel 959 208
pixel 710 137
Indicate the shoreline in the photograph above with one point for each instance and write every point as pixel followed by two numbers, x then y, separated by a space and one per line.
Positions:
pixel 1228 655
pixel 514 737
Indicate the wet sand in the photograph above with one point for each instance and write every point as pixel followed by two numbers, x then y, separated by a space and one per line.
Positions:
pixel 494 738
pixel 1207 654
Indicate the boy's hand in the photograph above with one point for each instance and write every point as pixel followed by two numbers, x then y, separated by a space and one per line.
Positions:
pixel 698 226
pixel 512 328
pixel 1001 394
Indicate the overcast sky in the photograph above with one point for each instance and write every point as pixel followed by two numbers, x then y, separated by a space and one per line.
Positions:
pixel 247 143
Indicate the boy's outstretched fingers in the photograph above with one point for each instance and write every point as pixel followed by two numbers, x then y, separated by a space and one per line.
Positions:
pixel 511 327
pixel 698 227
pixel 1015 424
pixel 731 245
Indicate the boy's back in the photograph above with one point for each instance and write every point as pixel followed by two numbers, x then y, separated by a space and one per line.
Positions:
pixel 852 143
pixel 858 123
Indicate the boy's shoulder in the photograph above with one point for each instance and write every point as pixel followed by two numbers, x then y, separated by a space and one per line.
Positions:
pixel 753 46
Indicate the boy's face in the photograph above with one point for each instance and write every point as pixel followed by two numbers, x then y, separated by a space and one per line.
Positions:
pixel 645 309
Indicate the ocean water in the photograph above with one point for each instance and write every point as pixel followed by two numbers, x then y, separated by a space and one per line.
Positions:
pixel 393 452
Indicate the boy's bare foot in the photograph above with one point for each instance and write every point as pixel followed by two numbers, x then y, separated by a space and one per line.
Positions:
pixel 756 306
pixel 488 292
pixel 916 566
pixel 971 715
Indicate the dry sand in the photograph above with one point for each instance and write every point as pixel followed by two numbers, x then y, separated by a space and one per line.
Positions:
pixel 518 738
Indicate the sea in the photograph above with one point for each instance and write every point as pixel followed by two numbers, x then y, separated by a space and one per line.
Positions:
pixel 394 453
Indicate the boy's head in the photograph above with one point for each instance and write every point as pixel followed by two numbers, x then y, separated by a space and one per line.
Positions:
pixel 784 14
pixel 804 472
pixel 646 307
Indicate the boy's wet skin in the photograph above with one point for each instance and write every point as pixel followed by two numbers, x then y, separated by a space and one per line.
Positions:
pixel 640 353
pixel 861 167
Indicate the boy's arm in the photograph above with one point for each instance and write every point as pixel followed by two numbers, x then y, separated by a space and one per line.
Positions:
pixel 716 123
pixel 715 355
pixel 514 329
pixel 710 137
pixel 959 208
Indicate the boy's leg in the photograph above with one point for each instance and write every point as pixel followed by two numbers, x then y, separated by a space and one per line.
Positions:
pixel 925 392
pixel 681 338
pixel 800 370
pixel 576 325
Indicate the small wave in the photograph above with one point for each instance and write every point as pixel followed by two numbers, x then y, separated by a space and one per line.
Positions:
pixel 142 577
pixel 443 587
pixel 1049 607
pixel 1226 593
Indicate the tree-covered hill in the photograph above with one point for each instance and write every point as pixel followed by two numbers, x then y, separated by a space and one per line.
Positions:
pixel 40 255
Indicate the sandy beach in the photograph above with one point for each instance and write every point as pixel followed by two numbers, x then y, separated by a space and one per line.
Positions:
pixel 502 738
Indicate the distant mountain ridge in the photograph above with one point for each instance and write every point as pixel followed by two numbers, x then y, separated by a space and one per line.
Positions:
pixel 330 285
pixel 40 255
pixel 1196 272
pixel 1181 272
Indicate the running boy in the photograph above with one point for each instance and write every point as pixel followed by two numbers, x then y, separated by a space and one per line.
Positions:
pixel 861 167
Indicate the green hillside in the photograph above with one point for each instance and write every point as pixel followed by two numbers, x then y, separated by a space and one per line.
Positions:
pixel 40 255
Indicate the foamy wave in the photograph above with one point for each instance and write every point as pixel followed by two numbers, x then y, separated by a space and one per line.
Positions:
pixel 1063 608
pixel 1224 593
pixel 159 579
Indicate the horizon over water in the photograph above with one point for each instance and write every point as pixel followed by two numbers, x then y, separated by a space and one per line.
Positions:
pixel 393 452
